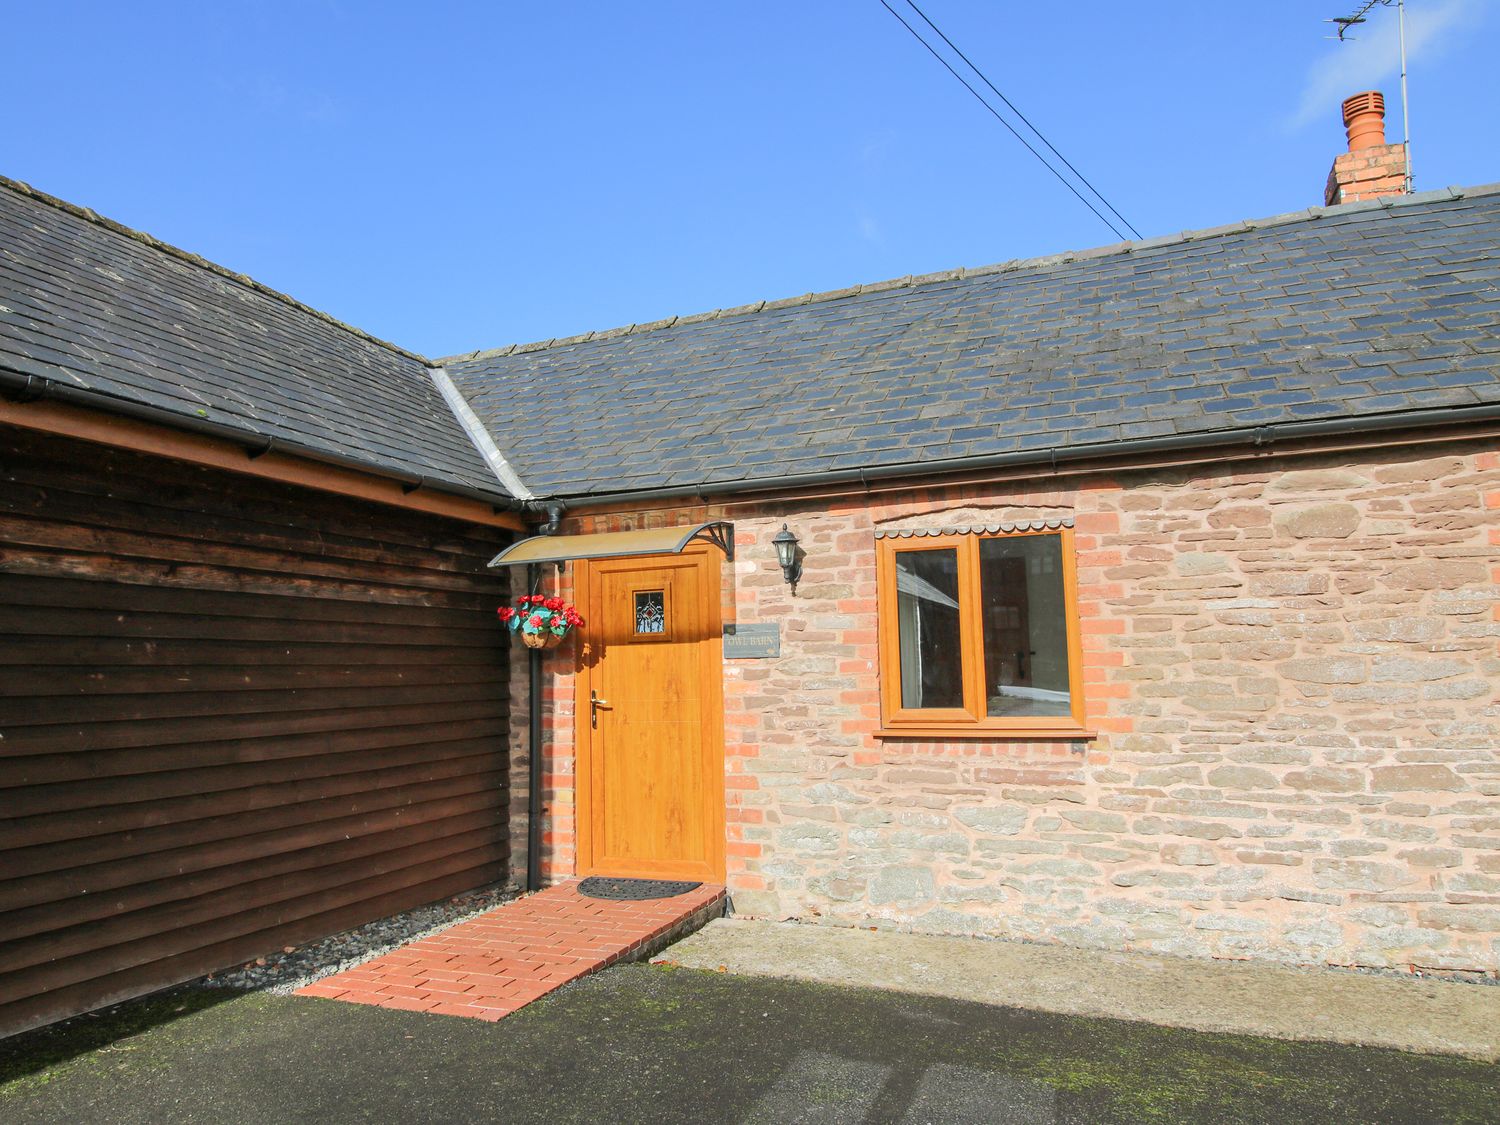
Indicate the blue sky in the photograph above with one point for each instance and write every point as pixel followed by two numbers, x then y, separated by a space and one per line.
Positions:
pixel 452 176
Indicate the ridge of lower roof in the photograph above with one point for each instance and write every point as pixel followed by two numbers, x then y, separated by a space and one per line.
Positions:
pixel 91 216
pixel 1117 249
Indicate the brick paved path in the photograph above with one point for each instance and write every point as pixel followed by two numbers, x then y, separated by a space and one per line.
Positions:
pixel 490 966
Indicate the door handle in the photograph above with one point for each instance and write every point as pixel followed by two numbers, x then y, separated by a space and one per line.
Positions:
pixel 595 703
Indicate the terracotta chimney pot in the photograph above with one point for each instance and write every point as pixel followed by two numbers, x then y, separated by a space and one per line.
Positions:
pixel 1364 118
pixel 1371 169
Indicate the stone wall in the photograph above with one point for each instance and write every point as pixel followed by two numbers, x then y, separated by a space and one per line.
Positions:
pixel 1293 669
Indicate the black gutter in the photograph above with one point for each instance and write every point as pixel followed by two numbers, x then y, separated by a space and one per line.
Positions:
pixel 22 387
pixel 1052 457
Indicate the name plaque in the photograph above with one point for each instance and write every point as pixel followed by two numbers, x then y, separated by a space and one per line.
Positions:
pixel 752 642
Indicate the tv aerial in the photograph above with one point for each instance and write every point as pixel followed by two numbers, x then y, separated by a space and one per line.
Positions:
pixel 1346 24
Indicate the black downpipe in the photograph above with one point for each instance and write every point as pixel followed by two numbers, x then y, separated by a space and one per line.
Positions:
pixel 534 779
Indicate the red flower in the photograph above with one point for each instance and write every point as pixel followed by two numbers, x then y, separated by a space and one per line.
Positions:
pixel 537 612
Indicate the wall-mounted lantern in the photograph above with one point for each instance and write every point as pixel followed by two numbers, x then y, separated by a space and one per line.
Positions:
pixel 786 554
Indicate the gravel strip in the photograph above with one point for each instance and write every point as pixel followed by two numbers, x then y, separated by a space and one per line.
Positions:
pixel 295 966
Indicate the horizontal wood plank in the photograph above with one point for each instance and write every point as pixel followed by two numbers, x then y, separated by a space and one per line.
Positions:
pixel 483 630
pixel 193 931
pixel 253 825
pixel 63 652
pixel 75 823
pixel 30 531
pixel 325 877
pixel 23 1012
pixel 75 752
pixel 103 594
pixel 108 872
pixel 81 712
pixel 177 575
pixel 76 494
pixel 346 752
pixel 237 714
pixel 27 683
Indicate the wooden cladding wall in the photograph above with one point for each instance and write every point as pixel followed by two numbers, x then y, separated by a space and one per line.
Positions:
pixel 234 715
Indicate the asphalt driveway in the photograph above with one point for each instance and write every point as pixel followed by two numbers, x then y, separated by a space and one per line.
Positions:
pixel 643 1043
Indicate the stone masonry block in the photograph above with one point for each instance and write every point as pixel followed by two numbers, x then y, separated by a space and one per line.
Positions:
pixel 1320 521
pixel 1326 779
pixel 1325 670
pixel 1241 777
pixel 1398 779
pixel 903 885
pixel 1002 821
pixel 1188 855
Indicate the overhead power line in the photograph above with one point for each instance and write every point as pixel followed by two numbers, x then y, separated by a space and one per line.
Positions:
pixel 1027 121
pixel 998 116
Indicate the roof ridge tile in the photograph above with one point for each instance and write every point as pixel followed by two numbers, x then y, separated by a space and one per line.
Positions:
pixel 1436 195
pixel 1067 257
pixel 1286 218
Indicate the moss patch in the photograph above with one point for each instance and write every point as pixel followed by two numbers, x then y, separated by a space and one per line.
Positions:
pixel 638 1043
pixel 44 1051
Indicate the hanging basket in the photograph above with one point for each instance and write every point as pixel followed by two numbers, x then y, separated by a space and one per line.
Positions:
pixel 542 614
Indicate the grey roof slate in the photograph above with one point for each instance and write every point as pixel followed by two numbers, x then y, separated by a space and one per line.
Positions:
pixel 1355 310
pixel 95 306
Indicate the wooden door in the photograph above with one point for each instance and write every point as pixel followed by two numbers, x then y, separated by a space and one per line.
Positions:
pixel 650 718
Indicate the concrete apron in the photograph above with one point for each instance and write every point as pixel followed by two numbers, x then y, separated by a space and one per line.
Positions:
pixel 1416 1014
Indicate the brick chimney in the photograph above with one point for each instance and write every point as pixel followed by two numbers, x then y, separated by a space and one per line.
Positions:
pixel 1371 169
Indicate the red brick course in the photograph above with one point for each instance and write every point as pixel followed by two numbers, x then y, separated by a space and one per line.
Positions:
pixel 1370 173
pixel 492 965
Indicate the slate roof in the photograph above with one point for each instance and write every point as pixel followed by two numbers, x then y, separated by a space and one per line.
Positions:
pixel 1357 310
pixel 95 306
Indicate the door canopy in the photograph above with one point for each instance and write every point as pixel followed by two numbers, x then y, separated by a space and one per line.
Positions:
pixel 617 544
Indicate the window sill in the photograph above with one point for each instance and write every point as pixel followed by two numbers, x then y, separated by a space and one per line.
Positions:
pixel 989 734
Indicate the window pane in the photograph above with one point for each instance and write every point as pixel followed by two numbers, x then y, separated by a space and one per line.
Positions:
pixel 1025 626
pixel 651 611
pixel 927 609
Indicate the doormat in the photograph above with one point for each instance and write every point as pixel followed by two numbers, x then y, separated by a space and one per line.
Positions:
pixel 633 890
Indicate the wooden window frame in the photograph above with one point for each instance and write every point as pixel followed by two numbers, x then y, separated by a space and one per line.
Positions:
pixel 970 721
